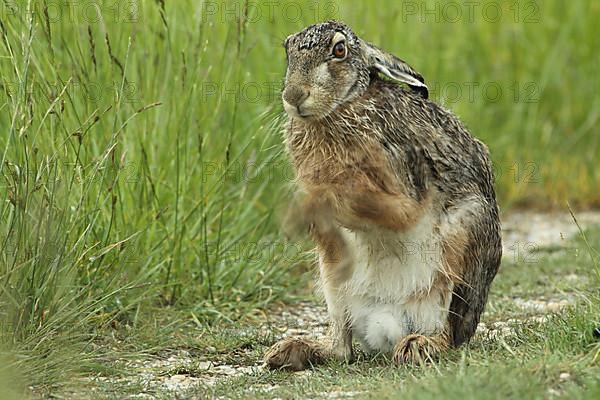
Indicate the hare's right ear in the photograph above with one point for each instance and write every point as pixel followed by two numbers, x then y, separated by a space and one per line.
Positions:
pixel 286 41
pixel 285 45
pixel 394 68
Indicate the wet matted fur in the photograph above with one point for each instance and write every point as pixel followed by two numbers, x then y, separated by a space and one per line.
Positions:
pixel 399 198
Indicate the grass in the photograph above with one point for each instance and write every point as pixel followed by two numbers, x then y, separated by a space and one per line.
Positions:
pixel 142 172
pixel 545 354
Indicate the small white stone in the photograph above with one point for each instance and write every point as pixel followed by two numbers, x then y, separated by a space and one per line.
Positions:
pixel 211 349
pixel 553 392
pixel 564 376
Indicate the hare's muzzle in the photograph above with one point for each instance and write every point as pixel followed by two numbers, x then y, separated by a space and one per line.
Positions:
pixel 293 98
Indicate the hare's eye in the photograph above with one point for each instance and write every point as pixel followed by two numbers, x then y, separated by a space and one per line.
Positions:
pixel 339 50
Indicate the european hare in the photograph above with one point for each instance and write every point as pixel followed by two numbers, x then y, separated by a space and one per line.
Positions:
pixel 399 199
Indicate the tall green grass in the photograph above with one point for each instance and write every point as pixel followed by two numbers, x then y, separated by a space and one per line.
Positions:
pixel 141 161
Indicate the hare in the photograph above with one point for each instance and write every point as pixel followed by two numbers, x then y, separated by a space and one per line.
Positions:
pixel 399 199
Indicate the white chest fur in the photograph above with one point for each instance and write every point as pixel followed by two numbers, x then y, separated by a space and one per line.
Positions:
pixel 390 270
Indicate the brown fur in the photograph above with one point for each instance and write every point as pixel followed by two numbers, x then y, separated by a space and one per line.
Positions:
pixel 319 211
pixel 294 354
pixel 370 155
pixel 453 256
pixel 355 179
pixel 416 349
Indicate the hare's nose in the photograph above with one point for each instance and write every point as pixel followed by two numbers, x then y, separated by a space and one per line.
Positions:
pixel 295 95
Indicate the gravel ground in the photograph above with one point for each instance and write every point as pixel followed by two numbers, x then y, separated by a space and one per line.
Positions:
pixel 543 230
pixel 307 318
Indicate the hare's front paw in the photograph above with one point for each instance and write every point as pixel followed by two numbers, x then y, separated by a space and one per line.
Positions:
pixel 415 349
pixel 293 354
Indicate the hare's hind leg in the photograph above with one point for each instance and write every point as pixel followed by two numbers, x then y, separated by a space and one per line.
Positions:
pixel 427 321
pixel 416 348
pixel 471 251
pixel 479 259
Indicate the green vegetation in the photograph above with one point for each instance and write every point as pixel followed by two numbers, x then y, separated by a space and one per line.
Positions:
pixel 528 353
pixel 142 170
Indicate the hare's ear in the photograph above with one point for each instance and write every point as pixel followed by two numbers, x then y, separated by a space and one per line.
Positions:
pixel 394 68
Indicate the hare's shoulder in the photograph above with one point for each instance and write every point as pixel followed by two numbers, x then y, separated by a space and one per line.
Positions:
pixel 426 144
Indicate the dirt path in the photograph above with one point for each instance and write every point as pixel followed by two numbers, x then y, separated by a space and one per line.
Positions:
pixel 171 374
pixel 544 229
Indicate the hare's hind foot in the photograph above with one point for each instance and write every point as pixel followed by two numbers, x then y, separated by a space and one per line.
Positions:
pixel 294 354
pixel 416 349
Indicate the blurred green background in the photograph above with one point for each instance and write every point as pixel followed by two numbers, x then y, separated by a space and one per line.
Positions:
pixel 142 164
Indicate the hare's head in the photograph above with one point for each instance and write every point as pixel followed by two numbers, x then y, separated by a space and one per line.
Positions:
pixel 328 65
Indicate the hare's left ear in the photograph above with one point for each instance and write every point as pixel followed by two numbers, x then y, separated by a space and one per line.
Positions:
pixel 394 68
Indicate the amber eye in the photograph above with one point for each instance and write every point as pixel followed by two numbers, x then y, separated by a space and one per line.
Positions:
pixel 339 50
